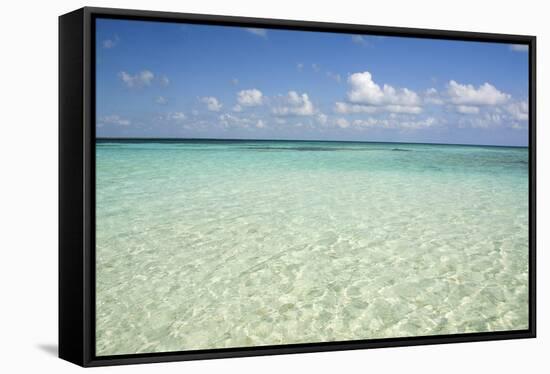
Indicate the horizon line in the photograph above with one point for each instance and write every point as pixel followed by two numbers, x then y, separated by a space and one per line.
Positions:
pixel 304 140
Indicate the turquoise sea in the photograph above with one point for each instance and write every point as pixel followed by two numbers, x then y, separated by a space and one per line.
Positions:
pixel 211 244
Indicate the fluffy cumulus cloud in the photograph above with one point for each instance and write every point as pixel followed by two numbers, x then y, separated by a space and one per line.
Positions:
pixel 322 118
pixel 467 94
pixel 467 109
pixel 212 103
pixel 367 105
pixel 419 124
pixel 364 91
pixel 295 104
pixel 252 97
pixel 482 121
pixel 229 120
pixel 143 78
pixel 514 115
pixel 403 109
pixel 484 106
pixel 342 123
pixel 346 108
pixel 432 96
pixel 519 110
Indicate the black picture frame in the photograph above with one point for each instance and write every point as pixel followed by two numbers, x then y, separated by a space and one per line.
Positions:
pixel 77 185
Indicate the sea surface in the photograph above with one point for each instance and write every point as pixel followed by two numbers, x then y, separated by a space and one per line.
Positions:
pixel 212 244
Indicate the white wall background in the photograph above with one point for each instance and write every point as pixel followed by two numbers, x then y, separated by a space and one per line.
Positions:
pixel 28 183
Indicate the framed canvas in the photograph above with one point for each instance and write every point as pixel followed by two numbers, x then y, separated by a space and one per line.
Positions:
pixel 234 186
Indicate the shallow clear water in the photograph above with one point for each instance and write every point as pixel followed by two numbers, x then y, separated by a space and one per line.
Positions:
pixel 212 244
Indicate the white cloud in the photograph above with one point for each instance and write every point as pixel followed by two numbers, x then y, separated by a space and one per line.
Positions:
pixel 143 78
pixel 346 108
pixel 431 96
pixel 467 109
pixel 299 66
pixel 110 43
pixel 519 47
pixel 315 68
pixel 371 122
pixel 251 97
pixel 365 91
pixel 519 110
pixel 230 120
pixel 237 108
pixel 396 123
pixel 482 123
pixel 403 109
pixel 421 124
pixel 513 115
pixel 342 123
pixel 176 116
pixel 260 124
pixel 212 103
pixel 227 119
pixel 486 120
pixel 257 32
pixel 161 100
pixel 517 126
pixel 322 118
pixel 295 104
pixel 495 118
pixel 467 94
pixel 113 119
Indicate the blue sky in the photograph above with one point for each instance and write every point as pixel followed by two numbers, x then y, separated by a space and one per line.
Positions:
pixel 196 81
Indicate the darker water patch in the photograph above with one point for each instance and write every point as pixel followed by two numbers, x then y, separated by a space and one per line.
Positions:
pixel 310 149
pixel 299 149
pixel 401 150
